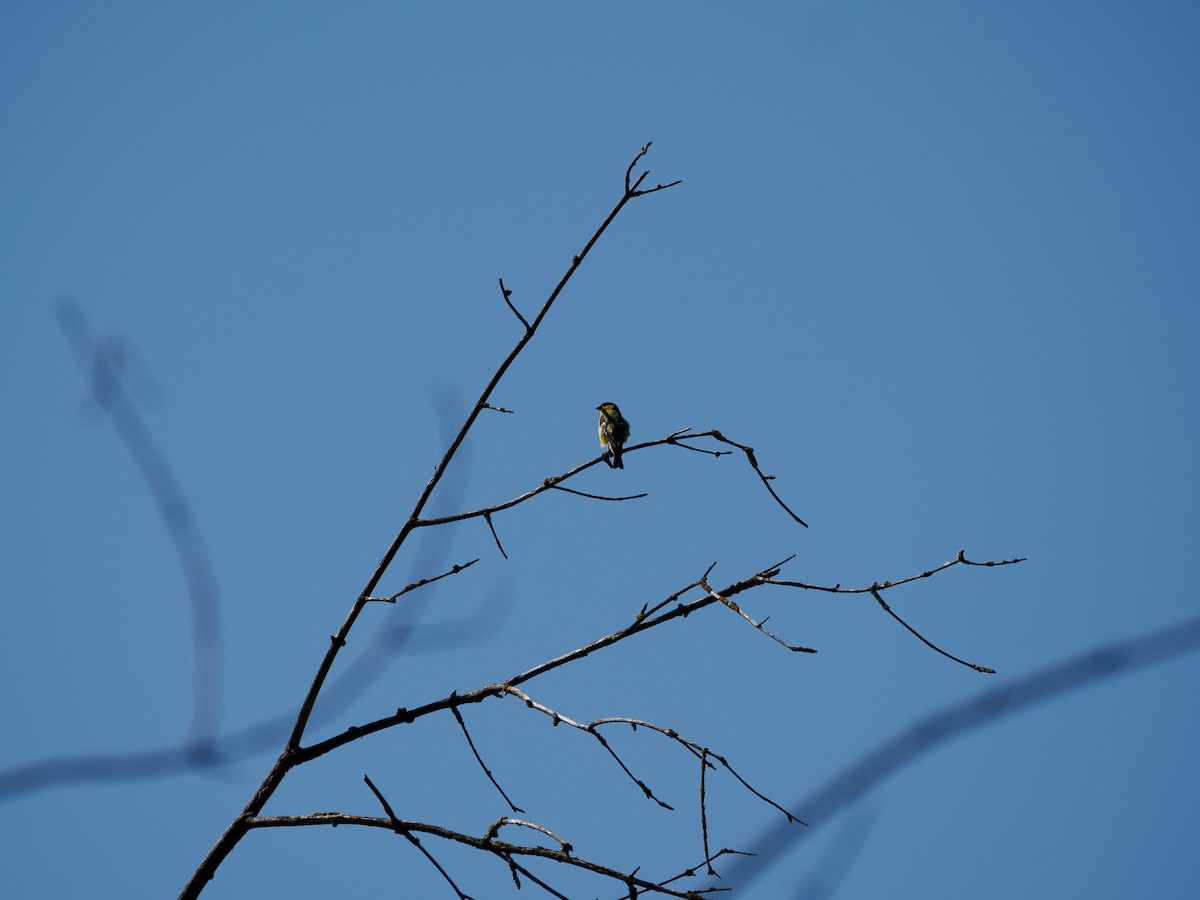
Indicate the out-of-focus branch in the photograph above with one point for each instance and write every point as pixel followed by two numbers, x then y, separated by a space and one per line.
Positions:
pixel 232 747
pixel 101 364
pixel 924 735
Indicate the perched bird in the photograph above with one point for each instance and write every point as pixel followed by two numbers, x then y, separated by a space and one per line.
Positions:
pixel 614 432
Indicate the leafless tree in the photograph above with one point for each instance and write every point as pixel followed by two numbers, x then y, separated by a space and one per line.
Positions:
pixel 497 840
pixel 690 599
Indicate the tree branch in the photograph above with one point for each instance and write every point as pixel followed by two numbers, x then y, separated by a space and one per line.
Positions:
pixel 290 756
pixel 489 844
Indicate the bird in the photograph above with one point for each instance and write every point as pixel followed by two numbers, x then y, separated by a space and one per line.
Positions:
pixel 614 432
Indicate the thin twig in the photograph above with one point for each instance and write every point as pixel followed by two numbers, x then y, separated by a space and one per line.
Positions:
pixel 926 642
pixel 554 482
pixel 647 610
pixel 593 727
pixel 566 490
pixel 487 517
pixel 517 867
pixel 691 872
pixel 494 830
pixel 633 191
pixel 695 750
pixel 759 625
pixel 838 589
pixel 703 810
pixel 424 581
pixel 507 294
pixel 766 479
pixel 763 797
pixel 399 828
pixel 875 590
pixel 556 718
pixel 479 759
pixel 501 849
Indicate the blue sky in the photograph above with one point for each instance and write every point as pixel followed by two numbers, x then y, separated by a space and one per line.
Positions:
pixel 935 262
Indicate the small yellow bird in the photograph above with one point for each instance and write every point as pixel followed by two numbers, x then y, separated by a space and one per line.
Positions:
pixel 614 432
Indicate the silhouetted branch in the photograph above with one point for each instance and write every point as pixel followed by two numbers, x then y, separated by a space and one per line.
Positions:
pixel 632 190
pixel 556 718
pixel 424 581
pixel 507 294
pixel 108 392
pixel 494 830
pixel 479 759
pixel 554 482
pixel 501 849
pixel 593 729
pixel 766 479
pixel 171 760
pixel 399 828
pixel 565 490
pixel 879 586
pixel 926 642
pixel 487 517
pixel 291 755
pixel 875 589
pixel 704 810
pixel 759 625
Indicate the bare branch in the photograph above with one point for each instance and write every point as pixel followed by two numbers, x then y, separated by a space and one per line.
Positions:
pixel 516 867
pixel 880 586
pixel 923 640
pixel 592 728
pixel 424 581
pixel 632 190
pixel 500 849
pixel 290 756
pixel 494 830
pixel 412 839
pixel 557 717
pixel 647 610
pixel 554 482
pixel 507 294
pixel 766 479
pixel 875 589
pixel 704 811
pixel 765 799
pixel 479 759
pixel 759 625
pixel 696 750
pixel 487 517
pixel 559 487
pixel 691 872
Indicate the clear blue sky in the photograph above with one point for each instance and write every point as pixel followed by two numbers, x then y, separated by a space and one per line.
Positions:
pixel 937 262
